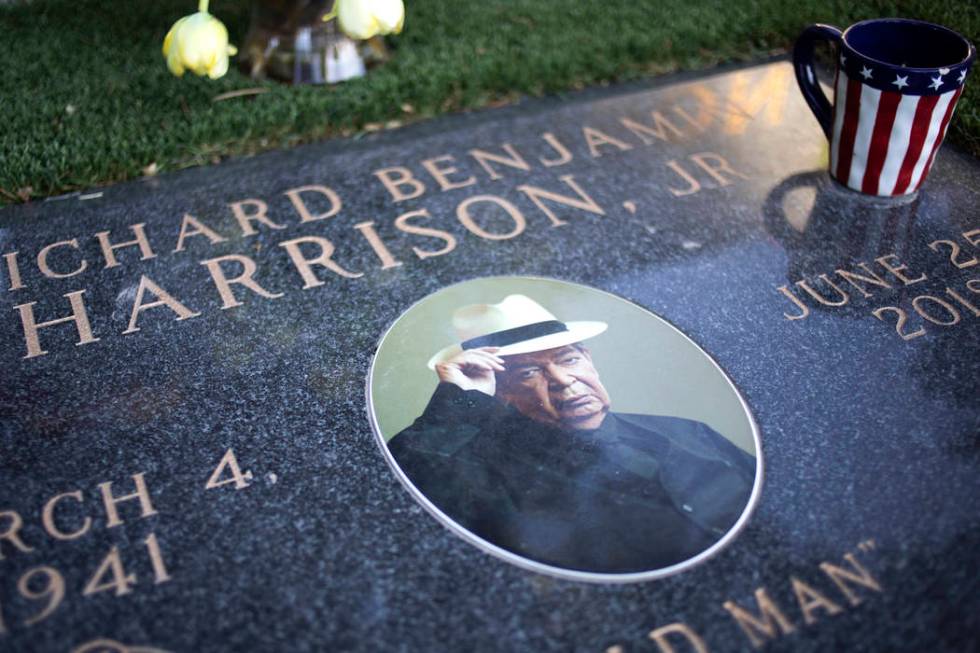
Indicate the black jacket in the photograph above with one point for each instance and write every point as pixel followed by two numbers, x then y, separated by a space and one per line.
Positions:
pixel 641 492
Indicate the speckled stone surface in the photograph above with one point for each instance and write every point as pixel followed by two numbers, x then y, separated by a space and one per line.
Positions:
pixel 869 440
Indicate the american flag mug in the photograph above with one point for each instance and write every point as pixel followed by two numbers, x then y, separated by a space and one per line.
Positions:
pixel 897 84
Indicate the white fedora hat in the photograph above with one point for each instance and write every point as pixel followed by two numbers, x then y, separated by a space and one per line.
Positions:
pixel 517 325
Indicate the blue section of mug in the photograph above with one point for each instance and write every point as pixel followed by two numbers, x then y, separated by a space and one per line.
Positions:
pixel 910 57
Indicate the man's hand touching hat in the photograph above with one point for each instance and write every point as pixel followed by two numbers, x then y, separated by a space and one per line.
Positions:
pixel 472 369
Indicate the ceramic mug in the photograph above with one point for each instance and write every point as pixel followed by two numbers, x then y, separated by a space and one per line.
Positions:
pixel 897 84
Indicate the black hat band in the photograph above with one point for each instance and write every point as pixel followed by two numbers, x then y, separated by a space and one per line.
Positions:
pixel 517 334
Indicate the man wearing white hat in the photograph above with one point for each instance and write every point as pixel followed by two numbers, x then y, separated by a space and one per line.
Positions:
pixel 518 445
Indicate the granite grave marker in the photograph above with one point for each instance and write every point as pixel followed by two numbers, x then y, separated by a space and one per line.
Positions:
pixel 186 458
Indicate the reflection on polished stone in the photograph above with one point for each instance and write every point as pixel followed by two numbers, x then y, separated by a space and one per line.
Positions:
pixel 185 453
pixel 832 236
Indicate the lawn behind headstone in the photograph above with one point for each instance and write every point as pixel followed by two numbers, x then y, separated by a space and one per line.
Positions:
pixel 86 98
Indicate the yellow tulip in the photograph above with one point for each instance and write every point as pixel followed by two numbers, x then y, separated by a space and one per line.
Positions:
pixel 362 19
pixel 198 43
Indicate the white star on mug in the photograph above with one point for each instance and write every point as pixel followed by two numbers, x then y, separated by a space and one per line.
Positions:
pixel 901 82
pixel 937 81
pixel 866 72
pixel 962 76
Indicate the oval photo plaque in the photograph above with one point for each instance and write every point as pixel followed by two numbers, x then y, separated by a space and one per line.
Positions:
pixel 564 429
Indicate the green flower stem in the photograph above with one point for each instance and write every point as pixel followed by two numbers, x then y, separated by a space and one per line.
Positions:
pixel 202 6
pixel 332 13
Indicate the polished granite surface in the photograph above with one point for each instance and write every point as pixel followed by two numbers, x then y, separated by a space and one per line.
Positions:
pixel 848 324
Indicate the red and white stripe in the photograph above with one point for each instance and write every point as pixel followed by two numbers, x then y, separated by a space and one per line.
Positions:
pixel 885 142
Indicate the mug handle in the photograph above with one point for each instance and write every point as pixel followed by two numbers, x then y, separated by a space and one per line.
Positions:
pixel 807 78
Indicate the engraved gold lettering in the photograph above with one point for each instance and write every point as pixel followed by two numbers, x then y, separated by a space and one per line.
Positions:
pixel 564 156
pixel 693 185
pixel 844 297
pixel 963 301
pixel 223 284
pixel 441 173
pixel 260 215
pixel 110 501
pixel 78 316
pixel 859 576
pixel 42 260
pixel 707 104
pixel 720 166
pixel 682 112
pixel 120 580
pixel 660 637
pixel 658 130
pixel 513 160
pixel 295 196
pixel 583 202
pixel 972 236
pixel 191 226
pixel 919 304
pixel 163 299
pixel 810 601
pixel 47 518
pixel 804 310
pixel 954 251
pixel 380 249
pixel 595 139
pixel 304 265
pixel 229 464
pixel 898 269
pixel 767 625
pixel 396 177
pixel 900 322
pixel 853 277
pixel 13 270
pixel 53 590
pixel 402 223
pixel 109 250
pixel 463 215
pixel 10 533
pixel 770 93
pixel 160 574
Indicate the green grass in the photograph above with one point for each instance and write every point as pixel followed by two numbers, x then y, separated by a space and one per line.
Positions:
pixel 86 99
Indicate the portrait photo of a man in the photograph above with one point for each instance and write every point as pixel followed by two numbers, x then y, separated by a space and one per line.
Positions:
pixel 519 444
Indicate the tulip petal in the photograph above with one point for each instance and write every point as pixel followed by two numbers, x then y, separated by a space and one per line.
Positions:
pixel 389 14
pixel 173 63
pixel 356 19
pixel 219 68
pixel 198 43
